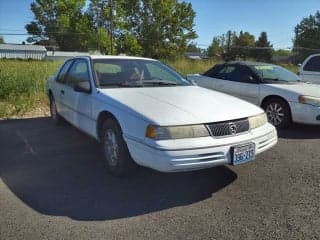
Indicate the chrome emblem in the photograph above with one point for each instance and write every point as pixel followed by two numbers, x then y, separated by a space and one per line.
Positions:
pixel 232 128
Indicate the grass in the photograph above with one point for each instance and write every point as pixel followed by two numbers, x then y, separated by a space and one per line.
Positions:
pixel 23 83
pixel 185 66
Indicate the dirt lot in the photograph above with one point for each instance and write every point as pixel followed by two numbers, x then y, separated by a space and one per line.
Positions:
pixel 53 186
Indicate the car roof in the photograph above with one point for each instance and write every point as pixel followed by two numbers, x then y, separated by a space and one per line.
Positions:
pixel 313 55
pixel 114 57
pixel 249 63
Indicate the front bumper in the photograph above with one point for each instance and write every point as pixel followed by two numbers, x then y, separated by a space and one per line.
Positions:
pixel 304 113
pixel 194 154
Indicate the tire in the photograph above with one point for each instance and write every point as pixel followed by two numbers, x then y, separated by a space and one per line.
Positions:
pixel 117 158
pixel 57 119
pixel 278 113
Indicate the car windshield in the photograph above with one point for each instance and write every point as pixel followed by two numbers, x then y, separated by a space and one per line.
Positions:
pixel 275 74
pixel 135 73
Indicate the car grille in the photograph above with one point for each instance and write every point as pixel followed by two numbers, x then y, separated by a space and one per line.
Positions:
pixel 228 128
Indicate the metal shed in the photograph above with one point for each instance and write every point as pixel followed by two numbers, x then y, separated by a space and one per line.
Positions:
pixel 22 51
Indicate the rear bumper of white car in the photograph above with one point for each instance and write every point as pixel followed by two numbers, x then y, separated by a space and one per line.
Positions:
pixel 194 154
pixel 304 113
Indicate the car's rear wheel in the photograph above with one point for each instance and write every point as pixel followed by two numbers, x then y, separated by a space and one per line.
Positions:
pixel 54 113
pixel 278 112
pixel 116 154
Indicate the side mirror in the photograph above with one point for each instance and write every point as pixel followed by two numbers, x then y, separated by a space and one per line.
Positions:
pixel 82 87
pixel 251 80
pixel 188 78
pixel 193 82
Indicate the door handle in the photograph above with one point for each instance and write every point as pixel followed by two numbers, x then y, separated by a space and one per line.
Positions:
pixel 62 91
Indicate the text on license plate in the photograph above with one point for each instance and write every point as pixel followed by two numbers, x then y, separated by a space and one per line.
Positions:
pixel 243 153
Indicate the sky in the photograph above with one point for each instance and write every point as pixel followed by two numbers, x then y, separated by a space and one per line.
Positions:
pixel 213 17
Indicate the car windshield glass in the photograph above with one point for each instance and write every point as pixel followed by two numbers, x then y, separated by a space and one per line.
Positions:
pixel 275 74
pixel 135 73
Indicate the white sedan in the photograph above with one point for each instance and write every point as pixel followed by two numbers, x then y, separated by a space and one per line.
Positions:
pixel 280 92
pixel 310 69
pixel 143 112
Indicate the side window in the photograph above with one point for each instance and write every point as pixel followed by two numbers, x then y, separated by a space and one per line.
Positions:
pixel 79 74
pixel 313 64
pixel 225 72
pixel 242 74
pixel 213 71
pixel 63 71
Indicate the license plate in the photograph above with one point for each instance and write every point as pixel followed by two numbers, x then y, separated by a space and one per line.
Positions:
pixel 243 153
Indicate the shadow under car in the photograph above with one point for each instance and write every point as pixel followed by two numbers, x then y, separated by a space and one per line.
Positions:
pixel 58 171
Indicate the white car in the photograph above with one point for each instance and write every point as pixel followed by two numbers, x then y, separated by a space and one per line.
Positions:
pixel 281 93
pixel 310 69
pixel 143 112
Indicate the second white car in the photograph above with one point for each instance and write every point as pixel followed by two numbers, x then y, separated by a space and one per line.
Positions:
pixel 280 92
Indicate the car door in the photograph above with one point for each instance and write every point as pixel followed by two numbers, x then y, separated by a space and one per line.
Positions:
pixel 209 78
pixel 79 103
pixel 60 88
pixel 311 70
pixel 239 81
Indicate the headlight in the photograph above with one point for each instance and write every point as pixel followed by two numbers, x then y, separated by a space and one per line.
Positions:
pixel 176 132
pixel 258 120
pixel 315 101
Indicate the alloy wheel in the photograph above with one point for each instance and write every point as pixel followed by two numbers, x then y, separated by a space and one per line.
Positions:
pixel 275 113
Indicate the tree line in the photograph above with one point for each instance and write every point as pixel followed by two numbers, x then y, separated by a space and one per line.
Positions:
pixel 152 28
pixel 231 46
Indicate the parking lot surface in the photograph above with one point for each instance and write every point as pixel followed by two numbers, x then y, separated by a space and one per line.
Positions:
pixel 53 186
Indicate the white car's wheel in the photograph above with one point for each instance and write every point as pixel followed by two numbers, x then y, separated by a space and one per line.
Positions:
pixel 278 113
pixel 54 113
pixel 116 154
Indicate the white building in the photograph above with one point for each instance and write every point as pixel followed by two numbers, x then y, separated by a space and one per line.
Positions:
pixel 22 51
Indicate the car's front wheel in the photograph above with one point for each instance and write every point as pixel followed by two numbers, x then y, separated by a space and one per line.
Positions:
pixel 116 154
pixel 278 113
pixel 54 113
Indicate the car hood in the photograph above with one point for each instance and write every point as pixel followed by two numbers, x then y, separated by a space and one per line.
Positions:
pixel 299 88
pixel 179 105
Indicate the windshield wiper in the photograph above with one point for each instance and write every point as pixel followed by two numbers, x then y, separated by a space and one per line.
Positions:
pixel 159 82
pixel 121 84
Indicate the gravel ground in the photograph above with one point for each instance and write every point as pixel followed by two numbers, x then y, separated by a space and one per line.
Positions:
pixel 53 186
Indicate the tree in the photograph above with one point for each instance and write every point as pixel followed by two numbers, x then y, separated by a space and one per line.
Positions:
pixel 128 44
pixel 216 48
pixel 263 50
pixel 56 21
pixel 243 45
pixel 307 37
pixel 162 28
pixel 192 47
pixel 155 28
pixel 1 40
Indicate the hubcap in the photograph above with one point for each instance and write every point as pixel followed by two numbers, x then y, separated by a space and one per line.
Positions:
pixel 111 147
pixel 275 113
